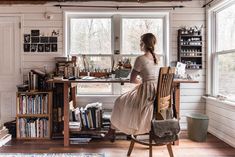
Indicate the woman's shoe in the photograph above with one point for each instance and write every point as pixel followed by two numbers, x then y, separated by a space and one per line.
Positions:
pixel 110 135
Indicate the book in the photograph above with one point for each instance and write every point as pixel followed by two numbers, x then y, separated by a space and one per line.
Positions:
pixel 5 139
pixel 3 132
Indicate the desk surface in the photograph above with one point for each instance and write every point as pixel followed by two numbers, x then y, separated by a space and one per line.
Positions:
pixel 110 80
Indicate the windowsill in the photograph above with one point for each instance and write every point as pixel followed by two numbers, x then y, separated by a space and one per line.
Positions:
pixel 226 103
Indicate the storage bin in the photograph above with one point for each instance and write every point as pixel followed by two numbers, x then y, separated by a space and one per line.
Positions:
pixel 197 126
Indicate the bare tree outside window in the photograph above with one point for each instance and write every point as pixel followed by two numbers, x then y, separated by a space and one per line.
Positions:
pixel 225 37
pixel 133 28
pixel 225 29
pixel 90 36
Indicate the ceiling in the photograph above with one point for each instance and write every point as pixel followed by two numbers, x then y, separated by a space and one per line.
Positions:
pixel 46 1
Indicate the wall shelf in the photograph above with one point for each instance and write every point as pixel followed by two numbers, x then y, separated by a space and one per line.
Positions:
pixel 190 50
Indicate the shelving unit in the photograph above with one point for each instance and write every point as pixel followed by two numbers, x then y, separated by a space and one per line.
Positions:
pixel 33 115
pixel 190 49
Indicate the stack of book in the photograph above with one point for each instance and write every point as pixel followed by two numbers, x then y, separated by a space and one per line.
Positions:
pixel 33 127
pixel 4 136
pixel 90 117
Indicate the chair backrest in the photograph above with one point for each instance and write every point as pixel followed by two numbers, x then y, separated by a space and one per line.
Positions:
pixel 163 96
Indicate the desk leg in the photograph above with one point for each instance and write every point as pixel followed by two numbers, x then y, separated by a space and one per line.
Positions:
pixel 74 96
pixel 177 103
pixel 66 115
pixel 177 100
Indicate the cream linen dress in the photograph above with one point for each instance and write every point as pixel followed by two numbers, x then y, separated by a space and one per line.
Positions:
pixel 132 112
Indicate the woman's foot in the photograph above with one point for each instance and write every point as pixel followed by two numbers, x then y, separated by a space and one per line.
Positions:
pixel 110 135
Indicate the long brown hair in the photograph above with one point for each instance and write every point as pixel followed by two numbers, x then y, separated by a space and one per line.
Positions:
pixel 149 41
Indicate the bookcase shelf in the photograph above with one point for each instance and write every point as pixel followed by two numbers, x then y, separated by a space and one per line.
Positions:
pixel 190 50
pixel 33 115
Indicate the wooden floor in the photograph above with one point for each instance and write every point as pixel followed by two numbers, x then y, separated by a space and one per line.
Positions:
pixel 213 147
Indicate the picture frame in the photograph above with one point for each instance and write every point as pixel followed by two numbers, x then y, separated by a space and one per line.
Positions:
pixel 44 39
pixel 53 39
pixel 47 47
pixel 41 47
pixel 54 48
pixel 35 32
pixel 26 47
pixel 34 39
pixel 26 38
pixel 33 47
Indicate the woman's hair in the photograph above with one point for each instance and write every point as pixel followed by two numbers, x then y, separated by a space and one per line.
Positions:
pixel 149 41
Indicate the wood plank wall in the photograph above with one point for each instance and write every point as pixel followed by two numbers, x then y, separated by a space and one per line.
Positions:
pixel 191 15
pixel 221 120
pixel 221 114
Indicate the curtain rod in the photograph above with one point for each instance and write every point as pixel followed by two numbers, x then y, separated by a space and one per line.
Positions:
pixel 118 7
pixel 207 4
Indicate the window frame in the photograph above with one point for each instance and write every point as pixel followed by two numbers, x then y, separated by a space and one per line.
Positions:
pixel 212 87
pixel 116 18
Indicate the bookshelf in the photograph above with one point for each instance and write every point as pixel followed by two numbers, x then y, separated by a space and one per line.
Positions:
pixel 190 49
pixel 33 115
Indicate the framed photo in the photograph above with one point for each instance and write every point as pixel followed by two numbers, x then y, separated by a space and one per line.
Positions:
pixel 26 47
pixel 53 39
pixel 41 47
pixel 34 39
pixel 47 47
pixel 35 32
pixel 44 39
pixel 53 47
pixel 26 38
pixel 33 47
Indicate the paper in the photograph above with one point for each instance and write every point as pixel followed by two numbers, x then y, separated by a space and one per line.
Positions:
pixel 180 69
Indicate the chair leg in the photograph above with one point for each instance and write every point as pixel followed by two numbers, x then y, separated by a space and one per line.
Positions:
pixel 150 146
pixel 169 148
pixel 131 147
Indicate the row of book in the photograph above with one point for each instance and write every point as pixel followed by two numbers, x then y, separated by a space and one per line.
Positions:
pixel 89 117
pixel 32 104
pixel 67 69
pixel 4 136
pixel 33 127
pixel 37 80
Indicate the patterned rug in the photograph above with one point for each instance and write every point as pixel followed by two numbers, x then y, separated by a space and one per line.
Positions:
pixel 52 155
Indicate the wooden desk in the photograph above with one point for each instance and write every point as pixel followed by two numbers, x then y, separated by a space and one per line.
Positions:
pixel 72 84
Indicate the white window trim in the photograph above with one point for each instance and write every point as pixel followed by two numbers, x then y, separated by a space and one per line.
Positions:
pixel 116 46
pixel 212 55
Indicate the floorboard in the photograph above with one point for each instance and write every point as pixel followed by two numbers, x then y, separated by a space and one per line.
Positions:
pixel 213 147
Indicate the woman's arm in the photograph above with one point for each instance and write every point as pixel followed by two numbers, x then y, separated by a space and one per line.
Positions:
pixel 133 78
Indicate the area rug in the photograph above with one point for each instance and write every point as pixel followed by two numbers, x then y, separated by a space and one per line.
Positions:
pixel 52 155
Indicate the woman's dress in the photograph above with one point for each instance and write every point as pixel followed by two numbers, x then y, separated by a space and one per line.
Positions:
pixel 132 112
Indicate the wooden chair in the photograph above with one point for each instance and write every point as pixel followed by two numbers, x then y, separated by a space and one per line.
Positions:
pixel 162 102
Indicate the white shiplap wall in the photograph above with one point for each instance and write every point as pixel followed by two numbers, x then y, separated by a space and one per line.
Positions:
pixel 221 120
pixel 191 15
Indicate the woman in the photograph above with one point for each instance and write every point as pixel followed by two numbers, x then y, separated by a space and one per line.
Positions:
pixel 133 110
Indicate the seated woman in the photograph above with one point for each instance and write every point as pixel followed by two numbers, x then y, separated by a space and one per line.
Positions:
pixel 133 110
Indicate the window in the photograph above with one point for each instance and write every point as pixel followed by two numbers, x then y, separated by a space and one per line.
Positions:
pixel 95 37
pixel 223 57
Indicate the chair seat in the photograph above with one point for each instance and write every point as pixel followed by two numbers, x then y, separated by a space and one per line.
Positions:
pixel 144 140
